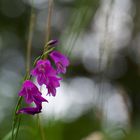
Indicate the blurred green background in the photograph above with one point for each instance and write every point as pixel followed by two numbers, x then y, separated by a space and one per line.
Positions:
pixel 99 97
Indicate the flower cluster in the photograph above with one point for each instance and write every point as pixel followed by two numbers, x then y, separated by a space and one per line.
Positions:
pixel 46 75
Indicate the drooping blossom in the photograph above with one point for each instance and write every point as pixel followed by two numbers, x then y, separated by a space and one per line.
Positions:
pixel 30 110
pixel 31 94
pixel 42 70
pixel 47 75
pixel 53 83
pixel 60 60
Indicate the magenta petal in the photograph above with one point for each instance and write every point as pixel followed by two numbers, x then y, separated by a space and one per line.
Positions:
pixel 30 92
pixel 33 72
pixel 51 90
pixel 60 60
pixel 29 110
pixel 28 98
pixel 39 99
pixel 60 68
pixel 46 75
pixel 53 83
pixel 21 92
pixel 41 79
pixel 42 71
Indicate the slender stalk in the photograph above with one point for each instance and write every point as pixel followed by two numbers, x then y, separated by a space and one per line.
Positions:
pixel 41 129
pixel 30 37
pixel 29 45
pixel 46 51
pixel 15 116
pixel 19 120
pixel 48 24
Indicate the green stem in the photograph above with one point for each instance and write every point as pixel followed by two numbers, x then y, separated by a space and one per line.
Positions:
pixel 48 25
pixel 41 130
pixel 30 37
pixel 18 127
pixel 15 116
pixel 45 54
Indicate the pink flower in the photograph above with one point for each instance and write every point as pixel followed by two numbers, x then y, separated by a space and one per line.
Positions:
pixel 60 60
pixel 46 74
pixel 42 71
pixel 31 94
pixel 52 85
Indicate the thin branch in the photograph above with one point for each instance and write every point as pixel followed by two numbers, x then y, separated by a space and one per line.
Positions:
pixel 30 37
pixel 48 24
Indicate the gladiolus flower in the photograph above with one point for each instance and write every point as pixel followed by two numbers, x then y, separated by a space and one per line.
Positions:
pixel 31 94
pixel 60 60
pixel 46 74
